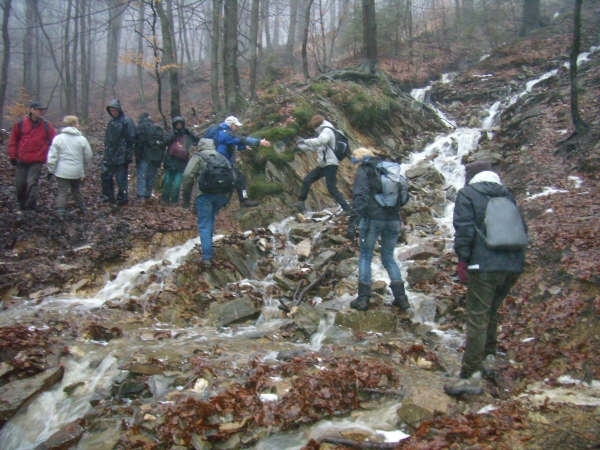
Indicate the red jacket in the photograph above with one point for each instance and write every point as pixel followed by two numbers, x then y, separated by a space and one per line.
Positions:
pixel 29 142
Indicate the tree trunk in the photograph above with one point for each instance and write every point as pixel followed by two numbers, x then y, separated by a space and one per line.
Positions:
pixel 578 123
pixel 215 57
pixel 231 78
pixel 253 46
pixel 140 51
pixel 305 39
pixel 169 52
pixel 291 35
pixel 369 34
pixel 531 16
pixel 115 24
pixel 5 5
pixel 28 54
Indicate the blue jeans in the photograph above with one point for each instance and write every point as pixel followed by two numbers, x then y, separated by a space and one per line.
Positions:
pixel 207 207
pixel 370 231
pixel 119 172
pixel 171 186
pixel 146 172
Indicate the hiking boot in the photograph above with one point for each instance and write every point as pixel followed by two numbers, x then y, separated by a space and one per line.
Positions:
pixel 488 370
pixel 400 298
pixel 300 206
pixel 469 386
pixel 206 263
pixel 361 303
pixel 247 203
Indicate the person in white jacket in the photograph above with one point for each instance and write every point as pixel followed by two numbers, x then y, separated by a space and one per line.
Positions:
pixel 69 156
pixel 327 166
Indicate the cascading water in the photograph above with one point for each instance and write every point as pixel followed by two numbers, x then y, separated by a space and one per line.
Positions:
pixel 95 366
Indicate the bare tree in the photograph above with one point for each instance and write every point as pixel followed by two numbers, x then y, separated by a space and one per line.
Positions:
pixel 369 34
pixel 578 123
pixel 231 77
pixel 307 9
pixel 115 25
pixel 291 35
pixel 254 16
pixel 29 40
pixel 164 9
pixel 531 16
pixel 5 5
pixel 215 57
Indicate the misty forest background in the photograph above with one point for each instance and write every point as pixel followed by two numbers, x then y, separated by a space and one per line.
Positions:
pixel 198 58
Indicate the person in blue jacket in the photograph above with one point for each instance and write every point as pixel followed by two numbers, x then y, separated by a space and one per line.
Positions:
pixel 227 143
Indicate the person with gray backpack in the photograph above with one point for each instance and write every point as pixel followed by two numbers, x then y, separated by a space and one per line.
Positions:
pixel 490 239
pixel 378 219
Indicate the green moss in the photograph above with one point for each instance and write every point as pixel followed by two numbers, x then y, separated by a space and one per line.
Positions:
pixel 261 188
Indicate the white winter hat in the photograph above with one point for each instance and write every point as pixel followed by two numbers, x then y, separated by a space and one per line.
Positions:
pixel 232 120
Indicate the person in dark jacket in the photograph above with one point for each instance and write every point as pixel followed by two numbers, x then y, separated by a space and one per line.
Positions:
pixel 28 146
pixel 327 163
pixel 179 141
pixel 488 273
pixel 227 143
pixel 119 141
pixel 149 153
pixel 375 222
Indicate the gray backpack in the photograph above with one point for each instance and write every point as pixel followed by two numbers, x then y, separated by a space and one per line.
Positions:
pixel 504 227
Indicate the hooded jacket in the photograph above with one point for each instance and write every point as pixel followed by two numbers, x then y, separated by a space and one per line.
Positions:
pixel 29 141
pixel 119 139
pixel 364 190
pixel 227 142
pixel 469 212
pixel 323 144
pixel 69 155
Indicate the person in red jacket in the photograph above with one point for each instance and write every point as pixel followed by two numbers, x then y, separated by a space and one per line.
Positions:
pixel 28 146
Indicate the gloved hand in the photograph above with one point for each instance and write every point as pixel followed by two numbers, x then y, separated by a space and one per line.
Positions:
pixel 462 272
pixel 13 161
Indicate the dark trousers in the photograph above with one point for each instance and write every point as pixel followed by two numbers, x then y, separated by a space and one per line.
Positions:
pixel 27 177
pixel 65 186
pixel 240 184
pixel 486 292
pixel 330 174
pixel 120 173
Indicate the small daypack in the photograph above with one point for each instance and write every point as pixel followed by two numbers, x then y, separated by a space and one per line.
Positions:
pixel 394 186
pixel 217 176
pixel 342 146
pixel 177 148
pixel 504 227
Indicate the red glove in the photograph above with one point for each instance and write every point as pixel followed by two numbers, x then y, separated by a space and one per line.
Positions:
pixel 462 272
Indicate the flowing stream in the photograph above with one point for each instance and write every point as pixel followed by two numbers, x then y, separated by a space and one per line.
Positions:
pixel 95 363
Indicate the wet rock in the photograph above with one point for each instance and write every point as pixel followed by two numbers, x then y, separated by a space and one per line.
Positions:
pixel 64 438
pixel 17 394
pixel 375 320
pixel 413 415
pixel 239 310
pixel 420 272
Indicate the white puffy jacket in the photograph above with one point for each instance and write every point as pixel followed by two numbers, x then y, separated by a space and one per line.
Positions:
pixel 69 154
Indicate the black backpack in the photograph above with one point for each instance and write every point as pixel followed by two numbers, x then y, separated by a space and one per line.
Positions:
pixel 217 176
pixel 342 146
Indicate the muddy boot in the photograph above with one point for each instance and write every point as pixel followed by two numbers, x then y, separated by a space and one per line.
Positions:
pixel 361 302
pixel 400 298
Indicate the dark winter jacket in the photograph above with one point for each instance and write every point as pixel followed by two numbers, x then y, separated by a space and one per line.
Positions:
pixel 188 139
pixel 469 212
pixel 29 141
pixel 119 139
pixel 149 140
pixel 227 142
pixel 363 193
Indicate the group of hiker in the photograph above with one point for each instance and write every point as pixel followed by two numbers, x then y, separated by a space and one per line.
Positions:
pixel 208 163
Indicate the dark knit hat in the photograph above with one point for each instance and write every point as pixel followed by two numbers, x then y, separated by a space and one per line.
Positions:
pixel 474 168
